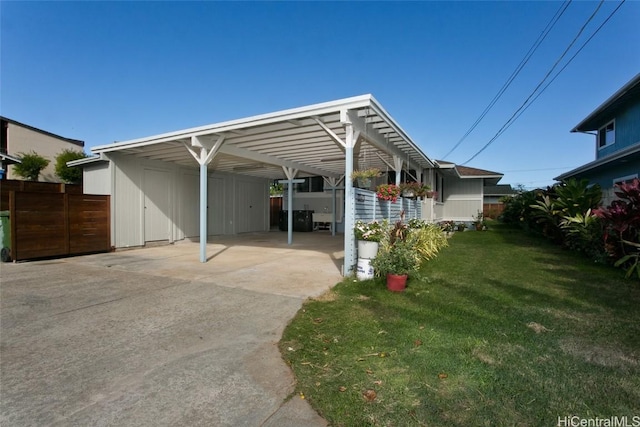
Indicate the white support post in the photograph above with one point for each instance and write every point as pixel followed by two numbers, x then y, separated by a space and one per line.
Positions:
pixel 207 153
pixel 397 163
pixel 203 212
pixel 333 184
pixel 290 174
pixel 349 201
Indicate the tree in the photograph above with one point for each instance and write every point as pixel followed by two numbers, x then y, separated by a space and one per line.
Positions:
pixel 71 175
pixel 31 166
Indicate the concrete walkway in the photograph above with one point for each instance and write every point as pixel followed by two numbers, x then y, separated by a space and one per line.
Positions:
pixel 154 337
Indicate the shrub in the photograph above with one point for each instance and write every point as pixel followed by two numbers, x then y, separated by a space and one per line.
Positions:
pixel 405 247
pixel 71 175
pixel 518 211
pixel 622 226
pixel 31 166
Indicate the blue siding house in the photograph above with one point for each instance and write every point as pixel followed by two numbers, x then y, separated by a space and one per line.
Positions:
pixel 616 127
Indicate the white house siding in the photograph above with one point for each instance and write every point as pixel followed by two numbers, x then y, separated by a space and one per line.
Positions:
pixel 158 212
pixel 252 204
pixel 189 203
pixel 463 198
pixel 127 202
pixel 97 178
pixel 154 200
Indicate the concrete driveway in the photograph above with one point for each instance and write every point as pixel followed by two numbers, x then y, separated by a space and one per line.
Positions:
pixel 153 337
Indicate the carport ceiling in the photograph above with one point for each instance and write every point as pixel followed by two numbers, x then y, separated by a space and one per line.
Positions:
pixel 299 138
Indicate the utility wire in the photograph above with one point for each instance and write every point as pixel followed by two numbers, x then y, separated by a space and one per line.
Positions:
pixel 529 100
pixel 515 72
pixel 541 169
pixel 569 61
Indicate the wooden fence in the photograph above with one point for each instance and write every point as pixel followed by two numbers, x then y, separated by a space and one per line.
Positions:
pixel 492 210
pixel 49 220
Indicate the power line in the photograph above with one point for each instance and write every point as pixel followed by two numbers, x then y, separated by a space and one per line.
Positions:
pixel 541 169
pixel 515 72
pixel 529 100
pixel 571 59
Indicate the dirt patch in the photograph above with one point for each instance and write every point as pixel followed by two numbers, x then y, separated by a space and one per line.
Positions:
pixel 328 296
pixel 537 327
pixel 483 357
pixel 613 356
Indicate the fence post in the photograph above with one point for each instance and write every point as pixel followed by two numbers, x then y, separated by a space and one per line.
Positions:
pixel 67 228
pixel 12 220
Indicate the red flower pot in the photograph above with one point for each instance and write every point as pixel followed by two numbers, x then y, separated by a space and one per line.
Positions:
pixel 396 282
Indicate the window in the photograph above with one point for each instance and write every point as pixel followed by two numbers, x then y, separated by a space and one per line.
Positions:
pixel 4 125
pixel 313 184
pixel 607 135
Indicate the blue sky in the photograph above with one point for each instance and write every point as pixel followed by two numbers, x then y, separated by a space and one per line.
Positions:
pixel 113 71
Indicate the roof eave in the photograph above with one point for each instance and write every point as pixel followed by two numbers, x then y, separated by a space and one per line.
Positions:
pixel 611 101
pixel 262 119
pixel 599 162
pixel 8 159
pixel 87 160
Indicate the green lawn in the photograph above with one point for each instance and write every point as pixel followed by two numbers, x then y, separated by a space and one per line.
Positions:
pixel 502 329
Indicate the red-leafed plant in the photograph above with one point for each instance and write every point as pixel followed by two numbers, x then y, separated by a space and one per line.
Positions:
pixel 622 226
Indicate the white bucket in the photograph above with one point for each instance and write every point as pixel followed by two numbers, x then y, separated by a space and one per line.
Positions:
pixel 364 269
pixel 367 249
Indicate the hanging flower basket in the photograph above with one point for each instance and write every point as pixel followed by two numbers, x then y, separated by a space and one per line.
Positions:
pixel 363 182
pixel 410 189
pixel 388 192
pixel 363 177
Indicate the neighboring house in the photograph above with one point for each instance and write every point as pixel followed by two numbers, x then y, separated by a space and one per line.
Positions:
pixel 461 190
pixel 493 196
pixel 214 180
pixel 616 127
pixel 5 161
pixel 17 138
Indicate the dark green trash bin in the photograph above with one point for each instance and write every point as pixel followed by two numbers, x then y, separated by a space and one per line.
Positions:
pixel 5 236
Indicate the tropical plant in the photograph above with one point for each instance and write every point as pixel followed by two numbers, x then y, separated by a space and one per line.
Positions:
pixel 622 225
pixel 31 165
pixel 583 233
pixel 630 261
pixel 427 241
pixel 548 215
pixel 389 192
pixel 574 196
pixel 68 174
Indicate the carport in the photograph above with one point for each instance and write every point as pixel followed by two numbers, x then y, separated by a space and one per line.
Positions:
pixel 329 139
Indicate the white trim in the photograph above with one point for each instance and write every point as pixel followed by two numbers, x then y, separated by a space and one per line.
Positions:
pixel 87 160
pixel 634 148
pixel 624 178
pixel 262 119
pixel 600 147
